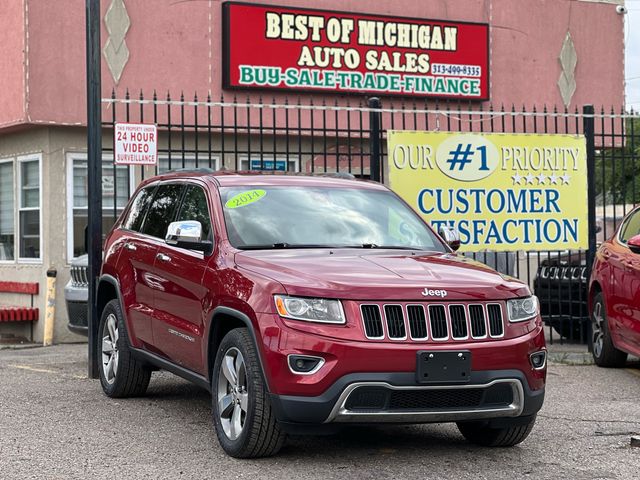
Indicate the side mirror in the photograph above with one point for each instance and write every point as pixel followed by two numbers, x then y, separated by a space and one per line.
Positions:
pixel 451 236
pixel 634 244
pixel 187 234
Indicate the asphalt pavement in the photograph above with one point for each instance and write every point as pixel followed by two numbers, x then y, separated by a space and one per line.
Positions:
pixel 56 424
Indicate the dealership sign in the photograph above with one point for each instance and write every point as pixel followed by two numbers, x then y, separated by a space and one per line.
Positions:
pixel 501 191
pixel 303 49
pixel 135 144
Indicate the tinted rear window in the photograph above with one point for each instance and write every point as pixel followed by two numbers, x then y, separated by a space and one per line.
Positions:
pixel 162 210
pixel 195 207
pixel 138 209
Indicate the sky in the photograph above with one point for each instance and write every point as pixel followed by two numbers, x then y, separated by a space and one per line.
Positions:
pixel 632 60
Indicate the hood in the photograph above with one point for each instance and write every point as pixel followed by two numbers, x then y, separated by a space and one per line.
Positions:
pixel 381 275
pixel 81 261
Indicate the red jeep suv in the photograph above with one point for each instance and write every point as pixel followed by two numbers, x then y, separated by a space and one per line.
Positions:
pixel 304 303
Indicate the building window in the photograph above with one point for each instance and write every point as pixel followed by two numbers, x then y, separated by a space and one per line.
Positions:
pixel 117 186
pixel 7 216
pixel 29 208
pixel 20 186
pixel 281 164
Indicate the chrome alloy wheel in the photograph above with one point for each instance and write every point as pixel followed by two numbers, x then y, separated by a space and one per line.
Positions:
pixel 598 329
pixel 233 397
pixel 110 348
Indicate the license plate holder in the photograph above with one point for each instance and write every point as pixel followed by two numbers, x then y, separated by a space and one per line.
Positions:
pixel 451 366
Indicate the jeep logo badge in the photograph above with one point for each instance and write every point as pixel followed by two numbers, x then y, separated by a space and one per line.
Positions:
pixel 434 293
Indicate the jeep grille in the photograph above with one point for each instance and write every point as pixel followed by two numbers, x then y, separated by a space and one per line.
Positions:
pixel 436 322
pixel 79 276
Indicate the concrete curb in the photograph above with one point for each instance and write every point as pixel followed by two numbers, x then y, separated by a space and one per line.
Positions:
pixel 20 346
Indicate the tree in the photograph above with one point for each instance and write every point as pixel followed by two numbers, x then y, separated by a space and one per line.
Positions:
pixel 618 168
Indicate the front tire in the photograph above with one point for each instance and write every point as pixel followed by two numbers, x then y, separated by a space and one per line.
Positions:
pixel 481 433
pixel 244 421
pixel 604 353
pixel 121 375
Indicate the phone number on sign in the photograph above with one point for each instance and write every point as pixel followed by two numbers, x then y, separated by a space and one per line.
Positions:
pixel 448 69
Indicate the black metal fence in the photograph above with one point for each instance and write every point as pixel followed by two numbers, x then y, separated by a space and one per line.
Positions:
pixel 313 136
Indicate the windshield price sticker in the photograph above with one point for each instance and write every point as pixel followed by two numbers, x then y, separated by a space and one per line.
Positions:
pixel 135 144
pixel 245 198
pixel 501 191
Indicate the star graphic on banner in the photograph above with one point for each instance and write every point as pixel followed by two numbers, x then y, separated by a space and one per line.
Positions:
pixel 529 178
pixel 516 178
pixel 553 179
pixel 565 179
pixel 541 178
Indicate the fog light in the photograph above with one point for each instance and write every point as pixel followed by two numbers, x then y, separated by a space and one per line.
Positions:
pixel 305 364
pixel 538 359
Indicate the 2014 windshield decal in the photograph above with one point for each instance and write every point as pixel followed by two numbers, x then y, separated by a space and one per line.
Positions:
pixel 245 198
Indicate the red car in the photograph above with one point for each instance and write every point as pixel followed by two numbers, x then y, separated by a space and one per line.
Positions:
pixel 614 295
pixel 307 303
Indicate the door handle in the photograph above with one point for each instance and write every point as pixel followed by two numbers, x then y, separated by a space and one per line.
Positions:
pixel 130 246
pixel 163 258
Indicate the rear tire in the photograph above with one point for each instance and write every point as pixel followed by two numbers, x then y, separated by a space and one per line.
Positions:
pixel 604 353
pixel 245 423
pixel 121 374
pixel 481 433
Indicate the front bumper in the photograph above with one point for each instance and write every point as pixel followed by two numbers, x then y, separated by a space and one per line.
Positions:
pixel 333 405
pixel 561 298
pixel 76 300
pixel 388 370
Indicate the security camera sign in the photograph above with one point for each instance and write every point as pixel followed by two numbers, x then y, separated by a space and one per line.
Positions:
pixel 500 191
pixel 135 144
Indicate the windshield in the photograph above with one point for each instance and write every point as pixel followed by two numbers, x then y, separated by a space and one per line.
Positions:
pixel 308 217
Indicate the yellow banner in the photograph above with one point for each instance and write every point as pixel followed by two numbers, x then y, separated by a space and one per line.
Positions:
pixel 501 191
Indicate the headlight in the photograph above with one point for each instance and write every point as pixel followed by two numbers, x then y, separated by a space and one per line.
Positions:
pixel 310 309
pixel 521 309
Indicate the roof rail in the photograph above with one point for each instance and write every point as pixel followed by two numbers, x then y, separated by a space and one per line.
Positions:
pixel 226 171
pixel 190 170
pixel 344 175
